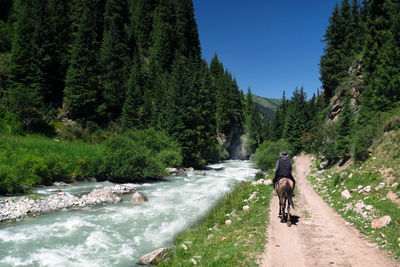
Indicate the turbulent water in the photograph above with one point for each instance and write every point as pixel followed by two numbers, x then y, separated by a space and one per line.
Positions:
pixel 118 234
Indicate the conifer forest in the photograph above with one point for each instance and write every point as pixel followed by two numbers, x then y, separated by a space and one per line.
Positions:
pixel 119 88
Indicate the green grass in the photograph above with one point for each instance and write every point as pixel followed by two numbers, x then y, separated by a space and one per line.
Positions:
pixel 269 103
pixel 329 185
pixel 212 243
pixel 30 160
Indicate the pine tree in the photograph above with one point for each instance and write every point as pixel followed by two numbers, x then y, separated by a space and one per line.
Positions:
pixel 334 61
pixel 253 123
pixel 205 119
pixel 187 42
pixel 162 52
pixel 179 114
pixel 58 40
pixel 278 122
pixel 382 55
pixel 296 119
pixel 24 94
pixel 140 27
pixel 82 94
pixel 357 28
pixel 344 127
pixel 132 110
pixel 114 57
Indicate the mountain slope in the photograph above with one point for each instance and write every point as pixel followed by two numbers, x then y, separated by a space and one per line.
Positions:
pixel 267 106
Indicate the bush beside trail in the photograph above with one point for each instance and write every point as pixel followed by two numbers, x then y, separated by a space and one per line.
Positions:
pixel 267 153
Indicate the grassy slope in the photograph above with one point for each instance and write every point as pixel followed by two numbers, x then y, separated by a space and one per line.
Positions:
pixel 267 106
pixel 212 243
pixel 29 160
pixel 270 103
pixel 383 166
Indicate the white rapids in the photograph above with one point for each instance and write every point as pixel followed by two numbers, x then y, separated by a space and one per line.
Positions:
pixel 118 234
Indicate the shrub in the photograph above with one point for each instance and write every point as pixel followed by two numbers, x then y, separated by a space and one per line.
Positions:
pixel 267 153
pixel 139 154
pixel 32 170
pixel 8 180
pixel 365 135
pixel 59 168
pixel 32 159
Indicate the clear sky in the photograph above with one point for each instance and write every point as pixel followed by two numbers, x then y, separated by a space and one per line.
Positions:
pixel 269 46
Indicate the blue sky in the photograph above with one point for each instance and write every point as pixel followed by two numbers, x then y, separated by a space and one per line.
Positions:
pixel 267 45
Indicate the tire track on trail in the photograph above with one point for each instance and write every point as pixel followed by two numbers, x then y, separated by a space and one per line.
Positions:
pixel 319 237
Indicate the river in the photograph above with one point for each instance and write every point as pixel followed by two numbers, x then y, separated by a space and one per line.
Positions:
pixel 118 234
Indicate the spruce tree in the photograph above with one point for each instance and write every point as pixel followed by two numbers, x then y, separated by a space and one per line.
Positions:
pixel 56 44
pixel 179 114
pixel 25 95
pixel 382 56
pixel 333 65
pixel 132 110
pixel 82 92
pixel 253 123
pixel 344 127
pixel 187 42
pixel 114 57
pixel 204 110
pixel 140 27
pixel 278 121
pixel 296 119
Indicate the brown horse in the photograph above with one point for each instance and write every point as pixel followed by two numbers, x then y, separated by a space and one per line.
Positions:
pixel 284 190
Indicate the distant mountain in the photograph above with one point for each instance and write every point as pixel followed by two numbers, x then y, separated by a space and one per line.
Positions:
pixel 267 106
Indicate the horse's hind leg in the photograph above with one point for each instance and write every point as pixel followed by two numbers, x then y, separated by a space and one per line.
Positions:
pixel 280 208
pixel 289 219
pixel 283 209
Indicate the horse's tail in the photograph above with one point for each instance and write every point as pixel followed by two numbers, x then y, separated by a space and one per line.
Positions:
pixel 289 193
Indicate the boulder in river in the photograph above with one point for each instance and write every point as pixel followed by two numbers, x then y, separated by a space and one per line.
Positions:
pixel 99 196
pixel 154 257
pixel 60 184
pixel 139 197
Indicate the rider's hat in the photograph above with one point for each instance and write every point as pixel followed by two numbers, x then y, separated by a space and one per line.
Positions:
pixel 283 154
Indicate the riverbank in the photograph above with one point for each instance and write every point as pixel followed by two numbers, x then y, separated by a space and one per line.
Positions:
pixel 232 234
pixel 119 234
pixel 16 208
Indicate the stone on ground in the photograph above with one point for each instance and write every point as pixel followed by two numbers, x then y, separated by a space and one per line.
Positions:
pixel 154 257
pixel 381 222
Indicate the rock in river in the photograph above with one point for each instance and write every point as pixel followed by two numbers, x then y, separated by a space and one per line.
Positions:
pixel 138 197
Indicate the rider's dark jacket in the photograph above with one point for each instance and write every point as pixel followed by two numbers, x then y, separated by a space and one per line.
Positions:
pixel 283 168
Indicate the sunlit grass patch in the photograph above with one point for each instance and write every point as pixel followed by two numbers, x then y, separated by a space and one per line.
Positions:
pixel 212 243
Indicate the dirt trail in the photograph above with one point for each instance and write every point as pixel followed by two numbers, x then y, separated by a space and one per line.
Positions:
pixel 320 237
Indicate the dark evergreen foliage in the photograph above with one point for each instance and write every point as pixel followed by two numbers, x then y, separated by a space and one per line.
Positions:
pixel 253 124
pixel 114 57
pixel 82 91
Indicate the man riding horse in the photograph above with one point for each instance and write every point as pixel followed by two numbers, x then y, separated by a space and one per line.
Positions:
pixel 283 168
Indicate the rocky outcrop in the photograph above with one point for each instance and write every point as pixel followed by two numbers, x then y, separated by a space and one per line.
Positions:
pixel 354 88
pixel 237 147
pixel 234 143
pixel 155 257
pixel 16 208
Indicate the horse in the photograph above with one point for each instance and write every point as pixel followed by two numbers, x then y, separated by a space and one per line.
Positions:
pixel 284 190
